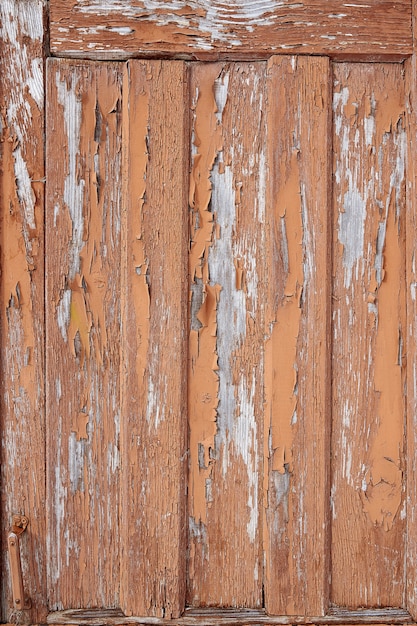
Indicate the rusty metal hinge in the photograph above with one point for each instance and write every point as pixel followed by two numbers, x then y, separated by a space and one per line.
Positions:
pixel 19 525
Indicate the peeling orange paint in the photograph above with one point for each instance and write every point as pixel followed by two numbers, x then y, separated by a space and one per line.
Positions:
pixel 80 322
pixel 17 258
pixel 281 348
pixel 83 282
pixel 203 380
pixel 368 312
pixel 137 265
pixel 382 495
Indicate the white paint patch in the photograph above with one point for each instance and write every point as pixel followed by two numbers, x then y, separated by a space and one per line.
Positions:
pixel 379 256
pixel 34 82
pixel 231 309
pixel 308 239
pixel 261 199
pixel 369 125
pixel 121 30
pixel 24 188
pixel 245 441
pixel 76 456
pixel 340 99
pixel 59 498
pixel 64 314
pixel 157 393
pixel 398 173
pixel 351 227
pixel 58 390
pixel 351 230
pixel 73 186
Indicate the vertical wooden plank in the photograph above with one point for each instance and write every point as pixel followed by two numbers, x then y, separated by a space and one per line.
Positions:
pixel 83 332
pixel 227 292
pixel 411 334
pixel 297 406
pixel 368 526
pixel 22 285
pixel 154 319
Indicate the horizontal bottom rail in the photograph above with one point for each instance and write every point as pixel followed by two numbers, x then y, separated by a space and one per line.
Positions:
pixel 228 617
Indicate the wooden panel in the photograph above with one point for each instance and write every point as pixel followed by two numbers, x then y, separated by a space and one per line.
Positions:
pixel 154 353
pixel 22 311
pixel 83 336
pixel 244 29
pixel 410 336
pixel 228 292
pixel 368 528
pixel 297 372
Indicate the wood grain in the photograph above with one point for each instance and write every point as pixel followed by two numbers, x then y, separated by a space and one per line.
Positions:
pixel 368 527
pixel 83 332
pixel 22 286
pixel 411 334
pixel 249 29
pixel 297 373
pixel 229 617
pixel 153 346
pixel 227 287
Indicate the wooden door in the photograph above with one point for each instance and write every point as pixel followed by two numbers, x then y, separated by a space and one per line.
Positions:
pixel 209 415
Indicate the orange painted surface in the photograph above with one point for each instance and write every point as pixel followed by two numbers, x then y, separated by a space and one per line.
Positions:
pixel 229 270
pixel 368 427
pixel 153 445
pixel 297 373
pixel 22 401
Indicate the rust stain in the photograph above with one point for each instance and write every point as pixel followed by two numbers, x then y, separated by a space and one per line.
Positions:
pixel 281 348
pixel 204 297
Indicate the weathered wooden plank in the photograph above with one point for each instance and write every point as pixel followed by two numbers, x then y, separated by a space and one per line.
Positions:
pixel 83 332
pixel 246 29
pixel 411 334
pixel 228 292
pixel 22 285
pixel 297 373
pixel 368 527
pixel 154 355
pixel 229 617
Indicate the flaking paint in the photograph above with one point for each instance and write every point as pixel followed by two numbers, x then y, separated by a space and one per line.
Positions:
pixel 203 365
pixel 22 324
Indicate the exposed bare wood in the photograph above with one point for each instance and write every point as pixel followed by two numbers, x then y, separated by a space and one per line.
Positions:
pixel 22 309
pixel 228 292
pixel 411 334
pixel 368 504
pixel 228 617
pixel 83 332
pixel 154 354
pixel 297 372
pixel 204 29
